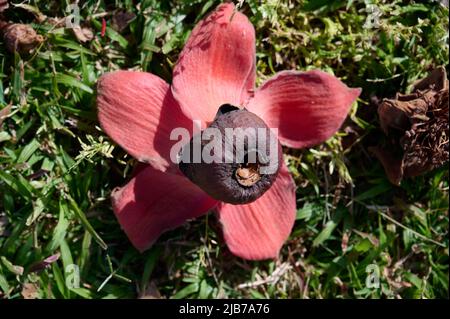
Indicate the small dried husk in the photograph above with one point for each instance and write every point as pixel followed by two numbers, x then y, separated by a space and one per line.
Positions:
pixel 417 128
pixel 83 34
pixel 20 38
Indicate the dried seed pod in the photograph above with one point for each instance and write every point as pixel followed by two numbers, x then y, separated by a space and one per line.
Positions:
pixel 21 38
pixel 236 159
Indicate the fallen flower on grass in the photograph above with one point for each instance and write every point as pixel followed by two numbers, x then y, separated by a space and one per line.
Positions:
pixel 216 68
pixel 417 128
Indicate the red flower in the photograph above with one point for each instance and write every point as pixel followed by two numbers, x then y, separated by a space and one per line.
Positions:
pixel 217 66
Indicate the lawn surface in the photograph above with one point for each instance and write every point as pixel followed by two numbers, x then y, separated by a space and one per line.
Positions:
pixel 57 168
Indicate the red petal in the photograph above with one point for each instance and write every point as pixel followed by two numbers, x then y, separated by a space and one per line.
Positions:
pixel 217 64
pixel 306 107
pixel 258 230
pixel 138 112
pixel 154 202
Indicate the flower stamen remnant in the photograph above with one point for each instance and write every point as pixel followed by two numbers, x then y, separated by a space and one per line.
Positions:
pixel 248 174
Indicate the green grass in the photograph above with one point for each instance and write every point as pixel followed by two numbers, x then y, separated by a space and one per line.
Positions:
pixel 57 168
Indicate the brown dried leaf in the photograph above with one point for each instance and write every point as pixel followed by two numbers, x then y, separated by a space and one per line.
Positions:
pixel 426 144
pixel 437 80
pixel 418 125
pixel 4 113
pixel 83 34
pixel 392 164
pixel 21 38
pixel 397 113
pixel 30 291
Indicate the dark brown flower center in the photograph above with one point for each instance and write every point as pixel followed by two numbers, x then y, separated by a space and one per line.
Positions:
pixel 238 168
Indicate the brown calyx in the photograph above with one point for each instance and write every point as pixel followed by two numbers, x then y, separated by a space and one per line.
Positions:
pixel 417 126
pixel 248 174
